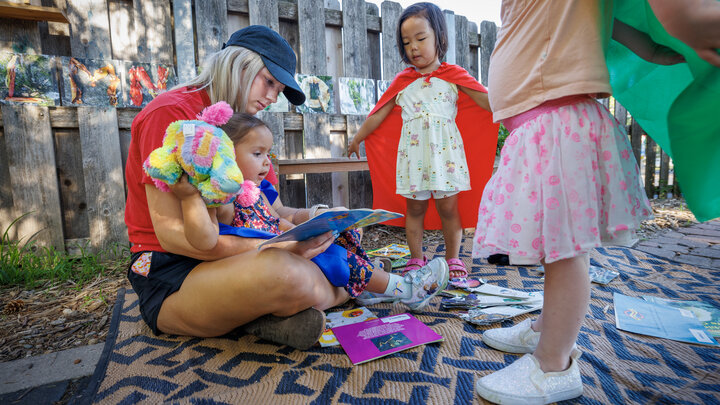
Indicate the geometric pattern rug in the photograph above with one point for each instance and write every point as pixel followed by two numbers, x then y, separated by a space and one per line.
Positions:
pixel 617 367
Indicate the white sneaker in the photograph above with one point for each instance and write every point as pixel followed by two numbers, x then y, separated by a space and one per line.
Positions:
pixel 426 282
pixel 519 338
pixel 371 298
pixel 523 382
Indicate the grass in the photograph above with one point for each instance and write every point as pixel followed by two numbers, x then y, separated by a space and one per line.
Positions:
pixel 26 264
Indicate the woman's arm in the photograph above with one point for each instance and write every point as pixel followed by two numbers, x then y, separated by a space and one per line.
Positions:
pixel 643 46
pixel 480 98
pixel 201 225
pixel 370 124
pixel 695 22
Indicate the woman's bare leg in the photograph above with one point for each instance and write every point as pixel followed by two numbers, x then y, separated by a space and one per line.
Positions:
pixel 217 297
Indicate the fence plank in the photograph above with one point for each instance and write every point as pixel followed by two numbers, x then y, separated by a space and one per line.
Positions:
pixel 31 165
pixel 72 183
pixel 153 30
pixel 451 55
pixel 664 185
pixel 392 63
pixel 184 40
pixel 19 36
pixel 211 20
pixel 265 12
pixel 359 185
pixel 122 30
pixel 90 32
pixel 373 40
pixel 316 130
pixel 488 34
pixel 7 210
pixel 355 33
pixel 636 140
pixel 104 181
pixel 311 28
pixel 473 63
pixel 462 45
pixel 650 155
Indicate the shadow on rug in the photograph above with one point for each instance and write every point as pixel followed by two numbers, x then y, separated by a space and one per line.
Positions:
pixel 617 367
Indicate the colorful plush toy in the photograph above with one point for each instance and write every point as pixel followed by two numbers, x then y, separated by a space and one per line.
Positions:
pixel 203 151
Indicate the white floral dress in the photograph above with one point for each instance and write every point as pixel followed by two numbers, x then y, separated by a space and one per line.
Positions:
pixel 431 155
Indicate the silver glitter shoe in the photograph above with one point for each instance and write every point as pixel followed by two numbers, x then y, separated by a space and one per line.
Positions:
pixel 519 338
pixel 523 382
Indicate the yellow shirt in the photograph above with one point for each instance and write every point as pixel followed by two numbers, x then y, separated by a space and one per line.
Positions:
pixel 547 49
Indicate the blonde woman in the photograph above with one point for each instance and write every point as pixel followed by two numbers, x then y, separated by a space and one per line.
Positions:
pixel 277 293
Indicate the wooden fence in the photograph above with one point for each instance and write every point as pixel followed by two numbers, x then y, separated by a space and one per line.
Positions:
pixel 65 164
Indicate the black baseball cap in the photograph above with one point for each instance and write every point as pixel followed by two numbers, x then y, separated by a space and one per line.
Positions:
pixel 275 52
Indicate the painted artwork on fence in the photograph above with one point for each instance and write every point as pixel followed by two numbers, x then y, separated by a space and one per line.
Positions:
pixel 357 96
pixel 281 105
pixel 91 82
pixel 381 86
pixel 319 94
pixel 28 79
pixel 144 81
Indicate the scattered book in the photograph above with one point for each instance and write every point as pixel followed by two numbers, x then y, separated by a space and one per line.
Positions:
pixel 706 313
pixel 490 315
pixel 663 321
pixel 336 221
pixel 602 275
pixel 491 289
pixel 392 251
pixel 339 318
pixel 380 337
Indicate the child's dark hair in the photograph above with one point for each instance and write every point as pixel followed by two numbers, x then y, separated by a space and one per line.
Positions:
pixel 435 18
pixel 240 124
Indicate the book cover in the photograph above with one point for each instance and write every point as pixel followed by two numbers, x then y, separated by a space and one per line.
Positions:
pixel 335 221
pixel 705 312
pixel 380 337
pixel 339 318
pixel 647 318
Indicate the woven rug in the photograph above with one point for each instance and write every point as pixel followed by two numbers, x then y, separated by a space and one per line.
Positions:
pixel 617 367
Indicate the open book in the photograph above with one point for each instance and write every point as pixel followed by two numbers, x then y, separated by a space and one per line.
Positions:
pixel 335 221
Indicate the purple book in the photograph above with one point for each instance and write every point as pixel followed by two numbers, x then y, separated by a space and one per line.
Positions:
pixel 369 340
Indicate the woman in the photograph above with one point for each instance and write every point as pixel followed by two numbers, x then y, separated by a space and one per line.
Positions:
pixel 185 291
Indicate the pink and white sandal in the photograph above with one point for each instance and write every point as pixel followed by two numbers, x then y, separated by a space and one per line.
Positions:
pixel 457 269
pixel 414 264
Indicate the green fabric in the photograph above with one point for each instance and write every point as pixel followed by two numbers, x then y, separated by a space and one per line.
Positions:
pixel 678 106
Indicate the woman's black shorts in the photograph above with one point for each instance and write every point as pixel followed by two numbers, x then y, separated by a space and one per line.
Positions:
pixel 154 276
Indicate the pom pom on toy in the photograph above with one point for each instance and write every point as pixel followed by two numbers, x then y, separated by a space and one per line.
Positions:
pixel 204 152
pixel 217 114
pixel 250 193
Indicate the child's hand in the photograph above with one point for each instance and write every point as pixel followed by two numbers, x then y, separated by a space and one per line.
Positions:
pixel 183 189
pixel 354 147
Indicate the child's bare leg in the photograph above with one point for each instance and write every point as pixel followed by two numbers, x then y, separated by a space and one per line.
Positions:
pixel 378 281
pixel 451 226
pixel 414 226
pixel 566 300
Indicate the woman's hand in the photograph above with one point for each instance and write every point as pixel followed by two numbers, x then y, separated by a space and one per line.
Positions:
pixel 308 248
pixel 183 190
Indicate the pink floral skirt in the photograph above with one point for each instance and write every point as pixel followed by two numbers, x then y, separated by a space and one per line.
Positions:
pixel 567 182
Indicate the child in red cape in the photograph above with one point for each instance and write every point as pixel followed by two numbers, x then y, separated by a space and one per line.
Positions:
pixel 415 136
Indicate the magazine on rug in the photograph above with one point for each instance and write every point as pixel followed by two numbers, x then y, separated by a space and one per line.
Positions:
pixel 648 318
pixel 336 221
pixel 339 318
pixel 705 312
pixel 380 337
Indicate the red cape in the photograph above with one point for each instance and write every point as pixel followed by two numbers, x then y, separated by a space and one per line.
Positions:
pixel 478 132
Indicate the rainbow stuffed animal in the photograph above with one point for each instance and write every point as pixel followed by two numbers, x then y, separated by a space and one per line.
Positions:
pixel 203 151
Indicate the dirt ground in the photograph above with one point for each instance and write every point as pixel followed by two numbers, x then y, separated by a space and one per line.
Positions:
pixel 59 317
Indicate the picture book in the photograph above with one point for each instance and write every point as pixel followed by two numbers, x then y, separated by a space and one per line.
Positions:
pixel 491 289
pixel 648 318
pixel 339 318
pixel 392 251
pixel 335 221
pixel 490 315
pixel 705 312
pixel 380 337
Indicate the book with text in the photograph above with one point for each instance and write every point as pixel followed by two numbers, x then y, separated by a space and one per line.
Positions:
pixel 336 221
pixel 380 337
